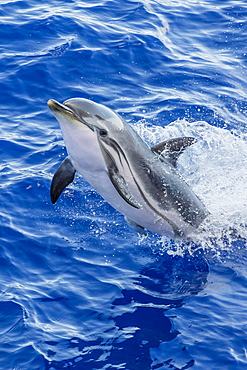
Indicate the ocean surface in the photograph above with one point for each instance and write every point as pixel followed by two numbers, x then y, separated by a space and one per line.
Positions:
pixel 78 288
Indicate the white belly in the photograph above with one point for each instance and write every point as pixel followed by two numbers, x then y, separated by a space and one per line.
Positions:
pixel 143 216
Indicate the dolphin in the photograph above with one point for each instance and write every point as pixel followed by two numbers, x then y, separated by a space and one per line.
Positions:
pixel 139 181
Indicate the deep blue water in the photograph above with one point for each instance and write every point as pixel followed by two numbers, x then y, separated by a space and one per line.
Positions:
pixel 78 288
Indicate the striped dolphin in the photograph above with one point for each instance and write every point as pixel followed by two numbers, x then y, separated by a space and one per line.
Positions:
pixel 140 182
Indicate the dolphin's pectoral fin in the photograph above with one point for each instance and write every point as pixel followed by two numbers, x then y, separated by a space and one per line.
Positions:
pixel 63 176
pixel 122 187
pixel 136 227
pixel 171 149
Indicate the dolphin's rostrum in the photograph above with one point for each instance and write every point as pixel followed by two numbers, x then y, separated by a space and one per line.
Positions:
pixel 140 182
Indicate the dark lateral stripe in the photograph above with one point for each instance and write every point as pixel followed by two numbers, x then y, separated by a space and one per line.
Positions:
pixel 119 150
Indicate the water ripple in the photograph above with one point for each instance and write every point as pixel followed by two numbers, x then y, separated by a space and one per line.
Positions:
pixel 78 288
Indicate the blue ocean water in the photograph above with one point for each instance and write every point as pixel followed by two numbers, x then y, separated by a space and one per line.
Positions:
pixel 78 288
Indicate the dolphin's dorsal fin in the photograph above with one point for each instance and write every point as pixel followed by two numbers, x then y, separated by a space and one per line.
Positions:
pixel 63 176
pixel 171 149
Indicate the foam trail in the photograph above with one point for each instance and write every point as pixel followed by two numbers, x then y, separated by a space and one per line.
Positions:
pixel 216 169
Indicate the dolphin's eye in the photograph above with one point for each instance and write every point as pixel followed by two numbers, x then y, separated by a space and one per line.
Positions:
pixel 103 133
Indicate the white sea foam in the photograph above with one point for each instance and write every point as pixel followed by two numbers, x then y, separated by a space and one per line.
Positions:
pixel 216 169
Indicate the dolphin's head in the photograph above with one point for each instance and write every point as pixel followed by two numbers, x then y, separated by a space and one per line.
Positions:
pixel 85 126
pixel 90 114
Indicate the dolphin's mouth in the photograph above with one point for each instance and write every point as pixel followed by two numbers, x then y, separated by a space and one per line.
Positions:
pixel 56 106
pixel 64 109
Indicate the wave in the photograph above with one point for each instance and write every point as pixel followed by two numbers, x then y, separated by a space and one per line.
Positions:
pixel 215 168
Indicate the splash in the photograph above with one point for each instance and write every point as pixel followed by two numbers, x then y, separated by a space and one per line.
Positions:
pixel 216 169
